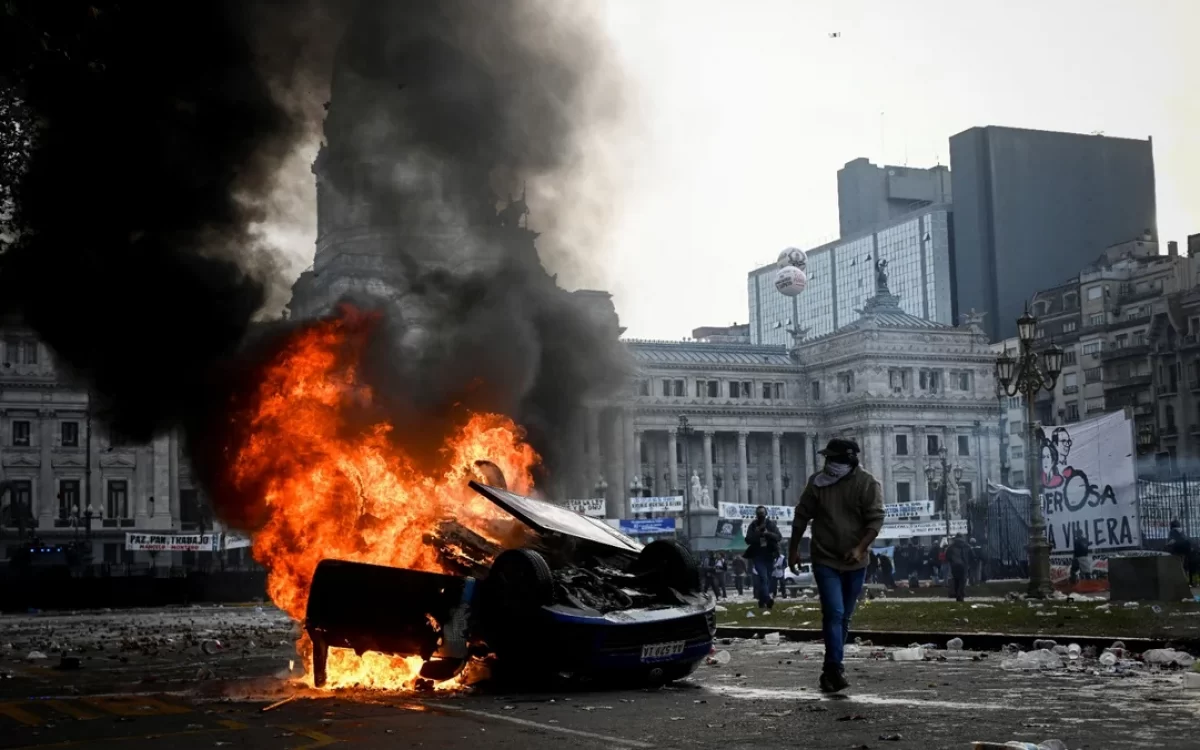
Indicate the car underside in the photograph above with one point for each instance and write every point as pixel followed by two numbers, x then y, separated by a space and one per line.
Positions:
pixel 575 598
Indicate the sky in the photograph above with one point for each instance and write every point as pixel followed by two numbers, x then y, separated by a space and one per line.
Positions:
pixel 741 113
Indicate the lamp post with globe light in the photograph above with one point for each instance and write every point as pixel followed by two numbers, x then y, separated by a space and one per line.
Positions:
pixel 685 434
pixel 1024 375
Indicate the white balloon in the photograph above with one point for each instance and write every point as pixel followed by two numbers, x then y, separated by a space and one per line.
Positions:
pixel 790 281
pixel 793 256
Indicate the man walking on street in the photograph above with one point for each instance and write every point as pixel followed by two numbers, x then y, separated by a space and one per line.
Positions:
pixel 1081 558
pixel 958 556
pixel 762 540
pixel 844 504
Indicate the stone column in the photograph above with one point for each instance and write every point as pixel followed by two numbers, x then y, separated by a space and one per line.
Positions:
pixel 617 482
pixel 922 461
pixel 743 470
pixel 887 440
pixel 162 481
pixel 813 447
pixel 141 484
pixel 672 461
pixel 45 502
pixel 776 470
pixel 633 459
pixel 708 463
pixel 174 479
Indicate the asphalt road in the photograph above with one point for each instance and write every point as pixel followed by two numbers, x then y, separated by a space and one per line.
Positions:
pixel 152 686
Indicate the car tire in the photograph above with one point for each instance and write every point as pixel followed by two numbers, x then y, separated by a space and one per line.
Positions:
pixel 518 585
pixel 673 563
pixel 521 580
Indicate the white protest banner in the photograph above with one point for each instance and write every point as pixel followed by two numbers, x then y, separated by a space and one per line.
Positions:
pixel 172 542
pixel 235 541
pixel 780 514
pixel 656 504
pixel 588 506
pixel 1089 484
pixel 903 530
pixel 914 509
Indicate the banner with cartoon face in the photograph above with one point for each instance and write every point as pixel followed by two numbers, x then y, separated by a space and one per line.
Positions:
pixel 1089 484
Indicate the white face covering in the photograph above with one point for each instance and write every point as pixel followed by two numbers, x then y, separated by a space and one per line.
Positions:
pixel 832 472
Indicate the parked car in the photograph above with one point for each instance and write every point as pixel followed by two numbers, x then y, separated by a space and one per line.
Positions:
pixel 579 599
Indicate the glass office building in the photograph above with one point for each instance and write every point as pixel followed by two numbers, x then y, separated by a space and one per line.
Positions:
pixel 841 278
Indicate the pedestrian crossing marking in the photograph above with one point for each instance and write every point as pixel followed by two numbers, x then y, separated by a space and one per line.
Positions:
pixel 136 706
pixel 71 709
pixel 15 712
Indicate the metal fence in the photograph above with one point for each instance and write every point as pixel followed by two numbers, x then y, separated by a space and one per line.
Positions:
pixel 1161 502
pixel 999 522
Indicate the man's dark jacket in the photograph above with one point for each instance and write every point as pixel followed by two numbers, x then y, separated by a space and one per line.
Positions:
pixel 756 534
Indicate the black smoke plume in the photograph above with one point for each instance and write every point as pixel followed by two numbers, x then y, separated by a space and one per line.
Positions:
pixel 161 127
pixel 163 130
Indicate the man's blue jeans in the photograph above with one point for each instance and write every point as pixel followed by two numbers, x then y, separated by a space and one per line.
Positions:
pixel 763 568
pixel 839 590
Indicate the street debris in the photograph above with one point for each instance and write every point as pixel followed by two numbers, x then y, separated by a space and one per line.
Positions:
pixel 1168 657
pixel 1033 660
pixel 908 654
pixel 35 655
pixel 718 659
pixel 277 704
pixel 954 644
pixel 771 638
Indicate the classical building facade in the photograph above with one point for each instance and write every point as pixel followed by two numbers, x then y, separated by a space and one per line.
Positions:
pixel 59 462
pixel 903 387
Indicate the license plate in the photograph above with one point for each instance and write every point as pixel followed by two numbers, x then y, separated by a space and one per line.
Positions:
pixel 655 651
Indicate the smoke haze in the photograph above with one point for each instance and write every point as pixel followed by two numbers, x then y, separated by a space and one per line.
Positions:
pixel 172 158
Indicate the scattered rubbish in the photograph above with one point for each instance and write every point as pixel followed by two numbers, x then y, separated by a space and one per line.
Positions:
pixel 981 606
pixel 852 717
pixel 1191 680
pixel 749 614
pixel 891 737
pixel 194 726
pixel 908 654
pixel 1168 657
pixel 1108 659
pixel 277 704
pixel 1060 650
pixel 211 648
pixel 1130 605
pixel 35 655
pixel 1014 745
pixel 1104 607
pixel 777 714
pixel 720 608
pixel 1073 651
pixel 1044 644
pixel 771 638
pixel 1156 609
pixel 1040 659
pixel 1033 605
pixel 719 659
pixel 954 644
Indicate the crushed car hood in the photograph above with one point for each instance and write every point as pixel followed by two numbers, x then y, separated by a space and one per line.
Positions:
pixel 544 518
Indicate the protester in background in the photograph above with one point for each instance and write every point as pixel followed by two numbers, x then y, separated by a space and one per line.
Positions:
pixel 844 504
pixel 933 565
pixel 762 547
pixel 720 571
pixel 739 574
pixel 975 571
pixel 943 564
pixel 1081 558
pixel 958 557
pixel 886 574
pixel 985 561
pixel 1180 545
pixel 779 581
pixel 873 567
pixel 708 568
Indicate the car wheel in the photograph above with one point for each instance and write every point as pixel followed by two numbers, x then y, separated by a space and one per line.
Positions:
pixel 518 584
pixel 673 563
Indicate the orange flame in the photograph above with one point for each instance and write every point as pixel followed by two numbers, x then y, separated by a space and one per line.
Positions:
pixel 333 491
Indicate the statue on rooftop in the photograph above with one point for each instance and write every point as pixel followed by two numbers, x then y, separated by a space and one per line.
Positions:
pixel 881 277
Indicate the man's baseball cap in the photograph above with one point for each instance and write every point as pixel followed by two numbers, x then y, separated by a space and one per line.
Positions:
pixel 840 447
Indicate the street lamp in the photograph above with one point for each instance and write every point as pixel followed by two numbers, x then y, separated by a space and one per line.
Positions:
pixel 939 479
pixel 1023 374
pixel 635 488
pixel 685 433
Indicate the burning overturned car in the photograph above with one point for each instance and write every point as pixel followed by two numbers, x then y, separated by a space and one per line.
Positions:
pixel 577 598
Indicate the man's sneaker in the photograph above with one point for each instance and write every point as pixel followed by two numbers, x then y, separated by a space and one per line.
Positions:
pixel 833 681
